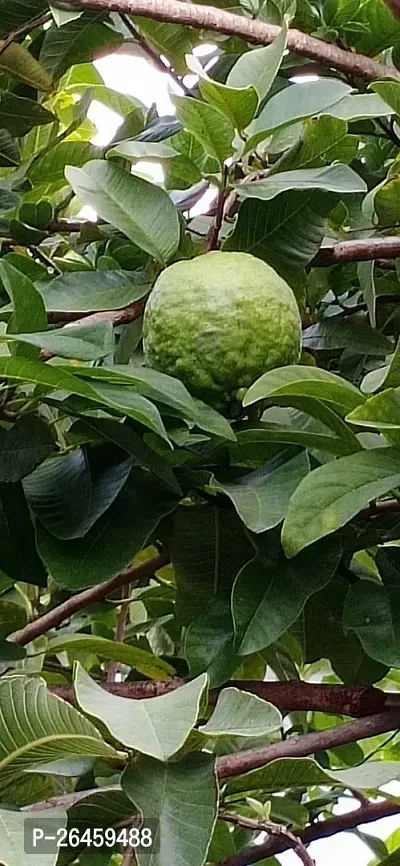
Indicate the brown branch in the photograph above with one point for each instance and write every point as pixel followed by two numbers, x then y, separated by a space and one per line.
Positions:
pixel 289 839
pixel 153 56
pixel 357 251
pixel 213 234
pixel 388 506
pixel 134 574
pixel 307 744
pixel 24 29
pixel 255 31
pixel 319 830
pixel 354 701
pixel 117 317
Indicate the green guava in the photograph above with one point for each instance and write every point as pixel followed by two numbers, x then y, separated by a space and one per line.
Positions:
pixel 218 321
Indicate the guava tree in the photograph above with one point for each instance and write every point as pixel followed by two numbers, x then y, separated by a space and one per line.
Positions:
pixel 199 605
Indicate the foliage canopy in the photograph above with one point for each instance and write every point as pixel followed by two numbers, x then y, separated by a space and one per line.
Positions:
pixel 194 605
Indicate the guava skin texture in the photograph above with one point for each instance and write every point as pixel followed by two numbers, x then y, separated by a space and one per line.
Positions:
pixel 218 322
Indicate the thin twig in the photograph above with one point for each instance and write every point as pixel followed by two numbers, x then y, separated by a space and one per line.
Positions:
pixel 113 667
pixel 252 30
pixel 24 29
pixel 154 56
pixel 213 234
pixel 272 829
pixel 129 856
pixel 318 830
pixel 117 317
pixel 50 620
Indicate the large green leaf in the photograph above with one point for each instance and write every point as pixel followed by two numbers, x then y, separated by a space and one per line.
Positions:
pixel 207 123
pixel 115 538
pixel 17 835
pixel 134 657
pixel 286 231
pixel 26 444
pixel 178 802
pixel 295 103
pixel 259 66
pixel 139 209
pixel 77 41
pixel 331 495
pixel 18 556
pixel 271 591
pixel 322 139
pixel 240 714
pixel 41 729
pixel 335 178
pixel 238 104
pixel 209 642
pixel 69 493
pixel 49 166
pixel 338 334
pixel 141 724
pixel 29 313
pixel 83 342
pixel 86 291
pixel 299 381
pixel 262 497
pixel 19 115
pixel 207 547
pixel 13 616
pixel 359 106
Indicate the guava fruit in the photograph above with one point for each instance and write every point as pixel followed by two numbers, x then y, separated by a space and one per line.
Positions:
pixel 218 321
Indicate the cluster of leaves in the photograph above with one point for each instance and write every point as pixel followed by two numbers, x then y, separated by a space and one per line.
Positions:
pixel 278 561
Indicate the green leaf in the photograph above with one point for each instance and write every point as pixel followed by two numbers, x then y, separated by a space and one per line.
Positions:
pixel 115 538
pixel 138 659
pixel 29 313
pixel 139 209
pixel 209 643
pixel 258 67
pixel 41 729
pixel 336 178
pixel 285 232
pixel 278 775
pixel 295 103
pixel 18 62
pixel 19 114
pixel 371 774
pixel 239 105
pixel 8 201
pixel 359 106
pixel 270 591
pixel 240 714
pixel 381 412
pixel 78 41
pixel 339 334
pixel 178 802
pixel 26 444
pixel 87 291
pixel 14 15
pixel 299 381
pixel 262 437
pixel 207 548
pixel 166 390
pixel 211 128
pixel 261 498
pixel 365 272
pixel 134 150
pixel 321 140
pixel 389 91
pixel 49 166
pixel 16 828
pixel 12 617
pixel 69 493
pixel 9 149
pixel 371 610
pixel 174 41
pixel 83 342
pixel 331 495
pixel 132 404
pixel 18 556
pixel 141 724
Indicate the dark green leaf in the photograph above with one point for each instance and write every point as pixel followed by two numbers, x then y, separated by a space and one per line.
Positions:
pixel 77 41
pixel 18 556
pixel 26 444
pixel 84 291
pixel 18 114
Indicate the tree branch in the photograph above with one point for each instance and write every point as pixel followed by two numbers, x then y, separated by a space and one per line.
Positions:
pixel 134 574
pixel 117 317
pixel 258 32
pixel 357 251
pixel 114 666
pixel 306 744
pixel 319 830
pixel 355 701
pixel 290 839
